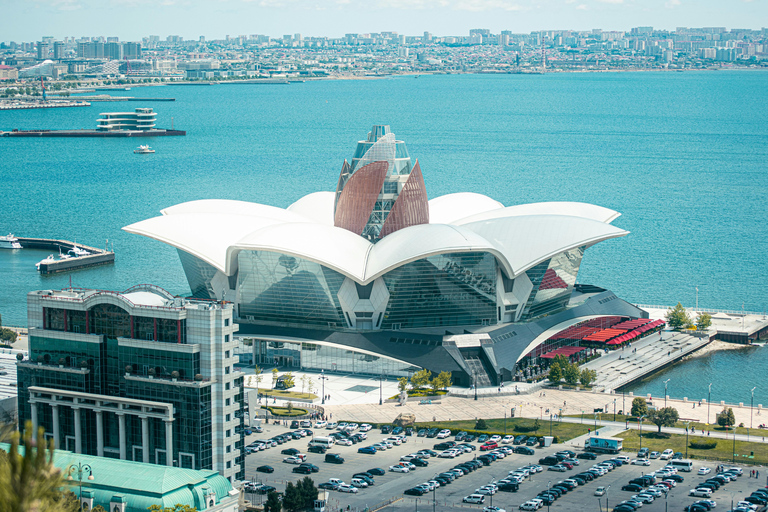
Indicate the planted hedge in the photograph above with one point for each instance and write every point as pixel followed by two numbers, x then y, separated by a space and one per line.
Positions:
pixel 704 444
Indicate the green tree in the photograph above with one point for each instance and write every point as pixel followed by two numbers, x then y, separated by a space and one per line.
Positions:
pixel 274 377
pixel 258 373
pixel 292 499
pixel 726 417
pixel 176 508
pixel 571 374
pixel 303 380
pixel 703 321
pixel 288 380
pixel 587 377
pixel 308 491
pixel 665 417
pixel 561 360
pixel 639 407
pixel 444 379
pixel 677 317
pixel 28 479
pixel 98 508
pixel 555 373
pixel 290 407
pixel 480 424
pixel 273 503
pixel 420 379
pixel 402 384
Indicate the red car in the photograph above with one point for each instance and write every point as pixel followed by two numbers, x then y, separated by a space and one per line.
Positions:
pixel 489 445
pixel 567 464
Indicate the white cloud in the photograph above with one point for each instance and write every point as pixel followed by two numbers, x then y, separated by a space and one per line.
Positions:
pixel 570 1
pixel 485 5
pixel 611 1
pixel 671 4
pixel 62 5
pixel 582 7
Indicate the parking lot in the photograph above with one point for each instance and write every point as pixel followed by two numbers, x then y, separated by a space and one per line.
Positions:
pixel 391 485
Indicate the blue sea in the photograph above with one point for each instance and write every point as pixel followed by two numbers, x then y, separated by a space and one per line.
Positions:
pixel 681 155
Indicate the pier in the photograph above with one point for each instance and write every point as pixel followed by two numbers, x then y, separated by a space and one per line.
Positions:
pixel 93 133
pixel 96 257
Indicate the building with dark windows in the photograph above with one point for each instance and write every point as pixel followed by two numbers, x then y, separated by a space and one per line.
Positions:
pixel 375 278
pixel 140 376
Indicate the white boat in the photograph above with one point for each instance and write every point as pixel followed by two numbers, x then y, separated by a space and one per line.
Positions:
pixel 49 259
pixel 77 252
pixel 9 242
pixel 143 150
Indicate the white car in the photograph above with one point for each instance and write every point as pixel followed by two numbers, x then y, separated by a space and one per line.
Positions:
pixel 423 454
pixel 331 425
pixel 743 504
pixel 292 460
pixel 321 424
pixel 600 491
pixel 344 442
pixel 666 454
pixel 572 482
pixel 443 433
pixel 449 454
pixel 409 457
pixel 341 426
pixel 399 469
pixel 499 454
pixel 396 441
pixel 703 492
pixel 352 427
pixel 654 455
pixel 704 471
pixel 641 462
pixel 359 482
pixel 474 498
pixel 365 427
pixel 506 440
pixel 495 438
pixel 529 505
pixel 622 458
pixel 493 509
pixel 487 491
pixel 347 488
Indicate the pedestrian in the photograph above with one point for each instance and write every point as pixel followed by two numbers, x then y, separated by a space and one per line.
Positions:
pixel 707 433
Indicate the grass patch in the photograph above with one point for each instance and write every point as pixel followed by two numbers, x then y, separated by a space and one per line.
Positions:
pixel 722 451
pixel 428 393
pixel 563 431
pixel 714 427
pixel 286 393
pixel 283 411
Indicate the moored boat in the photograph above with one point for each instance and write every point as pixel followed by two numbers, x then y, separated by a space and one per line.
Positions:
pixel 9 242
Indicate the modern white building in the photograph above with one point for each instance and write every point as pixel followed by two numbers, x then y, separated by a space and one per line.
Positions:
pixel 141 119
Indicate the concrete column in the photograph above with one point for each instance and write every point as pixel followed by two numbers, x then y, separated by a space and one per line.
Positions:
pixel 78 433
pixel 121 422
pixel 33 408
pixel 145 439
pixel 56 439
pixel 168 443
pixel 99 434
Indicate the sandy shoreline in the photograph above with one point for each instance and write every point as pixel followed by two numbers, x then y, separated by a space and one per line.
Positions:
pixel 718 345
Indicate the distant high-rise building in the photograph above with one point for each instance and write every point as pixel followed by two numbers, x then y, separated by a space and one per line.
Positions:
pixel 58 50
pixel 42 50
pixel 641 31
pixel 114 51
pixel 132 50
pixel 427 37
pixel 113 39
pixel 202 39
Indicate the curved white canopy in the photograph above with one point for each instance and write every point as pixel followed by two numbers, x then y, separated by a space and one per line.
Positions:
pixel 451 207
pixel 572 209
pixel 232 207
pixel 317 206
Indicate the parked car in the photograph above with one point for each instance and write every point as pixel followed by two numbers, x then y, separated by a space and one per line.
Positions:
pixel 334 458
pixel 265 469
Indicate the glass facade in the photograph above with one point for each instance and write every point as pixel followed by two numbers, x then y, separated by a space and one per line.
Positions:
pixel 331 359
pixel 553 282
pixel 278 288
pixel 447 289
pixel 199 274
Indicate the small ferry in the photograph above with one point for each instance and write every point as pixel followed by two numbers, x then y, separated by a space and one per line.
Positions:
pixel 49 259
pixel 9 242
pixel 143 150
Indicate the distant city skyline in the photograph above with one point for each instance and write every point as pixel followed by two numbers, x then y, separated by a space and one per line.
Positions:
pixel 134 19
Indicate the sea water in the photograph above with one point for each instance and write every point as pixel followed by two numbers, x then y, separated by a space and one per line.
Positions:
pixel 682 156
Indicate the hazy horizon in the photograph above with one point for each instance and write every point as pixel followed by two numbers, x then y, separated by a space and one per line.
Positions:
pixel 130 20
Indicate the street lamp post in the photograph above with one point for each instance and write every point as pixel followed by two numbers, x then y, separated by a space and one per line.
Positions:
pixel 550 424
pixel 665 391
pixel 751 405
pixel 606 498
pixel 80 470
pixel 614 409
pixel 381 396
pixel 322 378
pixel 549 484
pixel 687 423
pixel 709 399
pixel 474 378
pixel 640 430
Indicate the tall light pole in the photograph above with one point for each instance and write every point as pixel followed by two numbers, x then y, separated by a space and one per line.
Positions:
pixel 80 470
pixel 381 395
pixel 751 404
pixel 686 438
pixel 606 498
pixel 665 391
pixel 640 430
pixel 709 399
pixel 474 378
pixel 549 484
pixel 322 378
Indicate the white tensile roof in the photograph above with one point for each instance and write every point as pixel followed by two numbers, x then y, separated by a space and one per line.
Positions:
pixel 518 236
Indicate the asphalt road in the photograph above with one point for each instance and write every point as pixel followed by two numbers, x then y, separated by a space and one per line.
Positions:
pixel 391 485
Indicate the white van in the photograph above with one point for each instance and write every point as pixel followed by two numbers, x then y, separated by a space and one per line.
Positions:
pixel 325 442
pixel 682 465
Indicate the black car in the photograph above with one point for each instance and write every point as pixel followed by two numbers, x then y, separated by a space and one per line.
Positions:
pixel 677 456
pixel 704 504
pixel 290 451
pixel 265 489
pixel 414 491
pixel 586 456
pixel 397 431
pixel 531 441
pixel 365 477
pixel 623 508
pixel 419 463
pixel 312 467
pixel 676 478
pixel 549 460
pixel 376 471
pixel 756 499
pixel 422 432
pixel 469 438
pixel 328 485
pixel 524 450
pixel 695 507
pixel 587 476
pixel 295 424
pixel 444 445
pixel 265 469
pixel 386 429
pixel 442 480
pixel 316 448
pixel 483 438
pixel 709 485
pixel 302 469
pixel 334 458
pixel 547 499
pixel 632 488
pixel 409 431
pixel 509 487
pixel 432 432
pixel 520 439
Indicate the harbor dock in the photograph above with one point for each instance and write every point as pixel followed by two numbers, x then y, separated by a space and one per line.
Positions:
pixel 92 133
pixel 95 258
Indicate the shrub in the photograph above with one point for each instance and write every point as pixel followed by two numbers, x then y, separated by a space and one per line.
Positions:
pixel 703 444
pixel 480 424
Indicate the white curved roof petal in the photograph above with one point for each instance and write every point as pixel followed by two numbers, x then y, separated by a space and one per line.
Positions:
pixel 573 209
pixel 417 242
pixel 318 207
pixel 232 207
pixel 145 298
pixel 526 240
pixel 203 235
pixel 333 247
pixel 450 207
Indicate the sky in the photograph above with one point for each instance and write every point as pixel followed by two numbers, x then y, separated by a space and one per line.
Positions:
pixel 130 20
